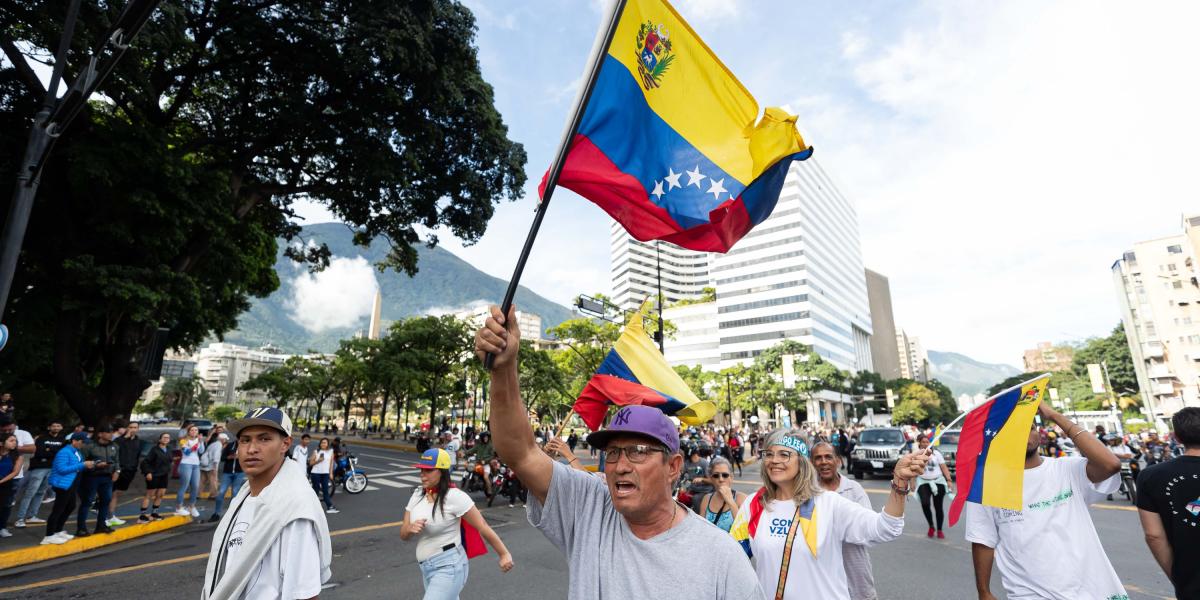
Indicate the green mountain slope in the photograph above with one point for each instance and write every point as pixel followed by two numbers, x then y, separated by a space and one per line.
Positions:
pixel 444 282
pixel 965 375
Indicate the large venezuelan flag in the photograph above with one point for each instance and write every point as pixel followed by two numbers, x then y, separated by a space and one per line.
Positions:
pixel 991 448
pixel 668 144
pixel 635 372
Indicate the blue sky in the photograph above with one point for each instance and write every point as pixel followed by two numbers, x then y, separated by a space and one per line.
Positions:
pixel 1000 155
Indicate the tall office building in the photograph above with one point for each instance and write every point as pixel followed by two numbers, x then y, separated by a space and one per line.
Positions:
pixel 223 368
pixel 885 356
pixel 1158 291
pixel 696 339
pixel 798 276
pixel 914 361
pixel 634 275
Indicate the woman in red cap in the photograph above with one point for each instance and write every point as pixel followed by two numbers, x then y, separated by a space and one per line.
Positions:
pixel 448 528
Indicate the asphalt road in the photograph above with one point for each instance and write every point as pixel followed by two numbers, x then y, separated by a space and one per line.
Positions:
pixel 370 560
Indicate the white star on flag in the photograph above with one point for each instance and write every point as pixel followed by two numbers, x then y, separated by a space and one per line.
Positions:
pixel 694 177
pixel 717 188
pixel 672 179
pixel 658 190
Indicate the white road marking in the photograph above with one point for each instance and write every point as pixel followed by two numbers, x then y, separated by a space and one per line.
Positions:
pixel 391 483
pixel 371 488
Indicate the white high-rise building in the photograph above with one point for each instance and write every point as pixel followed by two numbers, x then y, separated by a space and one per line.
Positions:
pixel 914 361
pixel 697 339
pixel 529 323
pixel 797 276
pixel 635 277
pixel 222 368
pixel 1158 289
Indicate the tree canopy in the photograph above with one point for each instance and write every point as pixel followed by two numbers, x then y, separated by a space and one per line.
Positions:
pixel 161 206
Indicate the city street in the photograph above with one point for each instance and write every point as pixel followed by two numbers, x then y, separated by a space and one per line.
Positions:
pixel 370 560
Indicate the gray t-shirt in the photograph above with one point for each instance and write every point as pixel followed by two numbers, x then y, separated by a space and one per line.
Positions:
pixel 854 556
pixel 693 559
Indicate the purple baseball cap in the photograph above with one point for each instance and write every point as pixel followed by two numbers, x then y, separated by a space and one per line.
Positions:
pixel 636 419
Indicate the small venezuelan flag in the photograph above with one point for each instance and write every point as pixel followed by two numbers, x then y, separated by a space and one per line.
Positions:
pixel 669 145
pixel 635 372
pixel 936 438
pixel 991 448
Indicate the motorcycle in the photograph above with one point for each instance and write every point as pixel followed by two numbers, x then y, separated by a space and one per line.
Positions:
pixel 472 480
pixel 349 476
pixel 1129 474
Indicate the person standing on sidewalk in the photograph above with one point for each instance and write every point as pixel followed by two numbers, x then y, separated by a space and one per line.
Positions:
pixel 105 458
pixel 210 461
pixel 45 447
pixel 232 477
pixel 274 543
pixel 157 469
pixel 10 464
pixel 192 447
pixel 129 454
pixel 64 479
pixel 25 446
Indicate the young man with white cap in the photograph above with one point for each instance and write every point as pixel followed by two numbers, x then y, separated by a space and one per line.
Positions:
pixel 274 541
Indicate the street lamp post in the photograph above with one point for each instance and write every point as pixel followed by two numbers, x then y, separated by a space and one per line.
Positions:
pixel 729 400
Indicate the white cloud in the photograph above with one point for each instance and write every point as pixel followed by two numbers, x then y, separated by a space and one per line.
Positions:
pixel 854 44
pixel 340 296
pixel 1008 155
pixel 438 311
pixel 715 11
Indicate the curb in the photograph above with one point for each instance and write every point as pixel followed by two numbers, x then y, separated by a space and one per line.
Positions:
pixel 39 553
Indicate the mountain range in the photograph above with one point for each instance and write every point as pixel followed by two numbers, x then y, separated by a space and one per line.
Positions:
pixel 313 312
pixel 965 375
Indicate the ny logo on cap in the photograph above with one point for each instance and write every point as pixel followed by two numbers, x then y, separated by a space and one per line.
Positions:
pixel 622 417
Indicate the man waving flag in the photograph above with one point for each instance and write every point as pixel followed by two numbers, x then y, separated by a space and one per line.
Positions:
pixel 670 144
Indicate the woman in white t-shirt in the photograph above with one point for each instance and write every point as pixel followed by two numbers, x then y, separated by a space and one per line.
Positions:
pixel 791 516
pixel 321 461
pixel 435 516
pixel 932 486
pixel 191 447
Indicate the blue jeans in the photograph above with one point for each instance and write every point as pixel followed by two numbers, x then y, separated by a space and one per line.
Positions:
pixel 445 574
pixel 189 480
pixel 320 484
pixel 88 489
pixel 37 482
pixel 228 481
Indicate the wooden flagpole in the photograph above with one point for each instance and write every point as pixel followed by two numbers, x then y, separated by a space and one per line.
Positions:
pixel 597 61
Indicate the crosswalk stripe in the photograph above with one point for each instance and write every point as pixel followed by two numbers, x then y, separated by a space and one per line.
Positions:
pixel 371 488
pixel 391 483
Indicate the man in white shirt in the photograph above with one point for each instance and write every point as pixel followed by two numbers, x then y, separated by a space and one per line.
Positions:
pixel 451 444
pixel 854 556
pixel 1056 493
pixel 273 543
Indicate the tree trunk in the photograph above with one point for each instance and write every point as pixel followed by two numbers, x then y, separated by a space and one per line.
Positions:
pixel 383 410
pixel 121 382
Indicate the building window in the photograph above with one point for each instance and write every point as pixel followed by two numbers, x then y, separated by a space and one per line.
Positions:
pixel 1194 340
pixel 1174 250
pixel 1177 285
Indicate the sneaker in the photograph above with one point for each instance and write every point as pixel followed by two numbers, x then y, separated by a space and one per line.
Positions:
pixel 156 517
pixel 332 511
pixel 930 533
pixel 82 533
pixel 105 529
pixel 53 539
pixel 143 519
pixel 5 533
pixel 183 512
pixel 114 521
pixel 64 535
pixel 48 500
pixel 940 535
pixel 215 518
pixel 20 524
pixel 35 521
pixel 510 505
pixel 194 513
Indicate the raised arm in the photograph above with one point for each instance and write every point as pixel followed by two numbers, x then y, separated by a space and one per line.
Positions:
pixel 1101 464
pixel 512 437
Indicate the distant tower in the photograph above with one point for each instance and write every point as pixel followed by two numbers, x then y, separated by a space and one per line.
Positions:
pixel 373 331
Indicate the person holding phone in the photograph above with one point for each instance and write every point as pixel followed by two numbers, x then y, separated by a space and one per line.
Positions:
pixel 105 457
pixel 321 462
pixel 191 447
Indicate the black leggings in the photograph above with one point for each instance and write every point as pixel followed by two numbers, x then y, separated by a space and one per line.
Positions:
pixel 926 493
pixel 64 503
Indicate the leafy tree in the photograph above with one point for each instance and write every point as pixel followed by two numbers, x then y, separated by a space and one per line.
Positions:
pixel 184 397
pixel 350 373
pixel 587 342
pixel 224 412
pixel 917 404
pixel 279 384
pixel 162 204
pixel 438 349
pixel 149 407
pixel 813 374
pixel 1113 351
pixel 543 383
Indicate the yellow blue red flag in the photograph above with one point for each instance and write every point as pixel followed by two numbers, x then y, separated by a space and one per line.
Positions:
pixel 635 372
pixel 991 448
pixel 671 144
